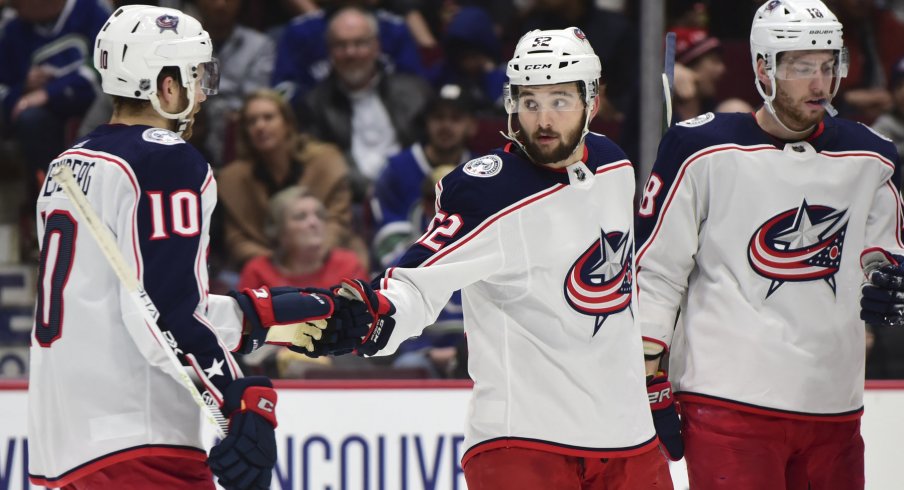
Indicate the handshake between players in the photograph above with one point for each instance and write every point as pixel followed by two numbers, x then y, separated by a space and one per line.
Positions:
pixel 348 318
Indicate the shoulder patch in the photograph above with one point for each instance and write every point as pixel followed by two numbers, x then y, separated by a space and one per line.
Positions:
pixel 886 138
pixel 162 137
pixel 698 121
pixel 485 166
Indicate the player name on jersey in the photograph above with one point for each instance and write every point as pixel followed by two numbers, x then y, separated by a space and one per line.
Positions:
pixel 82 168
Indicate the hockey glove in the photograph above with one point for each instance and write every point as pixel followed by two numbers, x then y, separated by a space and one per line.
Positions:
pixel 283 316
pixel 380 310
pixel 882 300
pixel 665 415
pixel 245 458
pixel 349 323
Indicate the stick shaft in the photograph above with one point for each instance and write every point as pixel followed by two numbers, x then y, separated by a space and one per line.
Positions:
pixel 63 175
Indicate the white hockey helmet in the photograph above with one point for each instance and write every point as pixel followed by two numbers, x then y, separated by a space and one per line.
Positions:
pixel 554 56
pixel 551 57
pixel 139 40
pixel 795 25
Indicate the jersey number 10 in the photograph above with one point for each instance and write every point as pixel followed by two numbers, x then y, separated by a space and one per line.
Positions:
pixel 58 253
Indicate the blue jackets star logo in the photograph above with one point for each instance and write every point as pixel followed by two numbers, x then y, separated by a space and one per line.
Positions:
pixel 168 22
pixel 797 245
pixel 599 282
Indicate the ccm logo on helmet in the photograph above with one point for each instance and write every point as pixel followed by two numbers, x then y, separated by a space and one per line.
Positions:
pixel 537 67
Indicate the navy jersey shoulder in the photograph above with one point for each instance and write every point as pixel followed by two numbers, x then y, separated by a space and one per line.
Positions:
pixel 709 130
pixel 602 151
pixel 158 157
pixel 845 135
pixel 488 184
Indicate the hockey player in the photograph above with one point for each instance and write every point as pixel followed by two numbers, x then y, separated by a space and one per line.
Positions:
pixel 752 225
pixel 102 414
pixel 538 236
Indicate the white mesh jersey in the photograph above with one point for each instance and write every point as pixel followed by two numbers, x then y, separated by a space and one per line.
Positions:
pixel 544 260
pixel 758 242
pixel 94 399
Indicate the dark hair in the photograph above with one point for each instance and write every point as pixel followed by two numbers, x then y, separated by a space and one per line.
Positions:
pixel 132 105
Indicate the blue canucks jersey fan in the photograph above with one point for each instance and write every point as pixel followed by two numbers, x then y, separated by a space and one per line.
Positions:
pixel 301 53
pixel 45 76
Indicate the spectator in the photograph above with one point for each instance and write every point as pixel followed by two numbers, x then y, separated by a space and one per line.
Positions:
pixel 45 53
pixel 246 63
pixel 296 227
pixel 472 52
pixel 891 124
pixel 397 202
pixel 613 36
pixel 441 350
pixel 361 107
pixel 303 58
pixel 273 156
pixel 873 38
pixel 701 68
pixel 302 256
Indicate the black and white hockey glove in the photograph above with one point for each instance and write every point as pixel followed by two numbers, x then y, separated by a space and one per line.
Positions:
pixel 882 299
pixel 665 415
pixel 380 322
pixel 244 460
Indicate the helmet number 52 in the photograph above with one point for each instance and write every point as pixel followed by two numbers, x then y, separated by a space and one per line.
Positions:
pixel 541 41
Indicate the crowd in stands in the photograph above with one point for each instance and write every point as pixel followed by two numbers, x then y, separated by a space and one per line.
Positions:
pixel 335 118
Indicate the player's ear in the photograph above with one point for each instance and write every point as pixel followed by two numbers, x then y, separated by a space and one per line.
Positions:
pixel 595 108
pixel 761 72
pixel 170 90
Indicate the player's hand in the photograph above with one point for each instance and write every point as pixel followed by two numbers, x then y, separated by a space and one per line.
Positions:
pixel 882 299
pixel 287 316
pixel 380 310
pixel 244 460
pixel 665 415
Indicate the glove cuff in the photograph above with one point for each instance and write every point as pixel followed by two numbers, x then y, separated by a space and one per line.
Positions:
pixel 659 391
pixel 251 394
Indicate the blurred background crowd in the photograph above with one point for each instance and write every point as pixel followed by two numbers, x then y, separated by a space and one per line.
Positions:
pixel 335 118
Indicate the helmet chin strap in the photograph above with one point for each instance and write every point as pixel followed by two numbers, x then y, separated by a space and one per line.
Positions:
pixel 771 111
pixel 767 100
pixel 181 118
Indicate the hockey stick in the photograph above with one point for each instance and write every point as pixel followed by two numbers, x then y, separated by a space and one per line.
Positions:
pixel 209 408
pixel 668 78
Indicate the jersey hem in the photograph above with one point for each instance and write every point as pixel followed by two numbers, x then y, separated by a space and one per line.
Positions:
pixel 558 448
pixel 102 462
pixel 687 396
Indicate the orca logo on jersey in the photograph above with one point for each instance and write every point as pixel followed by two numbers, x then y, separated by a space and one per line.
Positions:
pixel 599 283
pixel 798 245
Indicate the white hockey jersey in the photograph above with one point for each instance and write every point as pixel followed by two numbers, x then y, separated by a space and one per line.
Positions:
pixel 758 242
pixel 544 259
pixel 94 399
